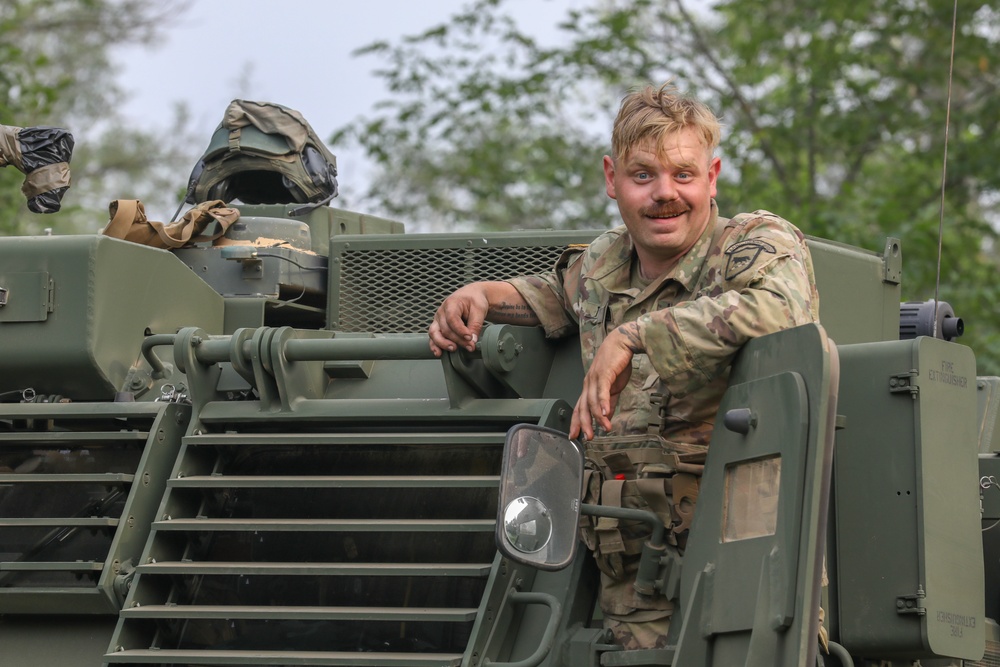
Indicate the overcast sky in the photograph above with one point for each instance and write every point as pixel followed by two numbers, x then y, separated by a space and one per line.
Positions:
pixel 293 52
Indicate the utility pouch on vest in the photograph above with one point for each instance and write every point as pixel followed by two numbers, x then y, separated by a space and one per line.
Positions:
pixel 638 472
pixel 128 222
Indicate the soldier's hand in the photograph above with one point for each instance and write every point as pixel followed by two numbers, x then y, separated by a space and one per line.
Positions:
pixel 459 320
pixel 607 377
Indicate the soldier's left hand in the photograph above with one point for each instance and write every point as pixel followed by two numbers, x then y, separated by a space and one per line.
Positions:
pixel 608 375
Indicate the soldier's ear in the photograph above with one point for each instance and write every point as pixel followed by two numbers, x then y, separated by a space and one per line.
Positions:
pixel 713 173
pixel 609 176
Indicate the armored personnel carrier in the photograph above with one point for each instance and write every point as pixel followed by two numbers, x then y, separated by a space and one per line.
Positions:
pixel 240 451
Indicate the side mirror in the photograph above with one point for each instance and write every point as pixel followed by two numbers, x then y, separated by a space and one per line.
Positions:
pixel 541 485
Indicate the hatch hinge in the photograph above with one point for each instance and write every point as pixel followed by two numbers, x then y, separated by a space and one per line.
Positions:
pixel 904 382
pixel 912 604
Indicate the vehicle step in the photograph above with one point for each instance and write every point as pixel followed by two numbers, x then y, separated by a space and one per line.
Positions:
pixel 275 612
pixel 328 569
pixel 52 566
pixel 36 438
pixel 80 410
pixel 333 481
pixel 46 522
pixel 327 525
pixel 363 439
pixel 189 657
pixel 69 478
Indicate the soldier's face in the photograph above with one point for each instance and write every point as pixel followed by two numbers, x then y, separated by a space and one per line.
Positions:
pixel 664 197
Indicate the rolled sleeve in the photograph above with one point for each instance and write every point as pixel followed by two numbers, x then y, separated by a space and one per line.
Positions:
pixel 552 294
pixel 544 298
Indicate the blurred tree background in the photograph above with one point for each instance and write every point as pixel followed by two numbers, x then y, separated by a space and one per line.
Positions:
pixel 834 118
pixel 56 71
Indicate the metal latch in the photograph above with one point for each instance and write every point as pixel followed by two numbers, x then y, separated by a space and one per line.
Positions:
pixel 904 382
pixel 3 296
pixel 911 604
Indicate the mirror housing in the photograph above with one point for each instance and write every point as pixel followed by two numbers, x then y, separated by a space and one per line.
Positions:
pixel 541 485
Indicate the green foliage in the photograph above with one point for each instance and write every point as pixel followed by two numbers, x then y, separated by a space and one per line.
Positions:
pixel 56 71
pixel 835 117
pixel 481 130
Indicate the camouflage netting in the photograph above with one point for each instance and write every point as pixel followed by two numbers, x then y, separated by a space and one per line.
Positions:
pixel 42 154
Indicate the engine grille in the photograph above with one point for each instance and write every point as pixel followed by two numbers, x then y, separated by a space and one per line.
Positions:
pixel 324 548
pixel 394 285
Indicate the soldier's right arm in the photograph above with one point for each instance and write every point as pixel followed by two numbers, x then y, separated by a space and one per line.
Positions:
pixel 459 319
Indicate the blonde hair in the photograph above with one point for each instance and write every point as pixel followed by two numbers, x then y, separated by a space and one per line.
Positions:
pixel 649 115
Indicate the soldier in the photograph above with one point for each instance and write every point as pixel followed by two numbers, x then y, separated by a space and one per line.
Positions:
pixel 661 304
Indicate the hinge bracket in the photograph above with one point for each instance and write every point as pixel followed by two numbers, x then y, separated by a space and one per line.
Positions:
pixel 904 382
pixel 912 604
pixel 892 259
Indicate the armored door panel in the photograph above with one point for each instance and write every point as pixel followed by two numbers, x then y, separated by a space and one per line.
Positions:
pixel 750 587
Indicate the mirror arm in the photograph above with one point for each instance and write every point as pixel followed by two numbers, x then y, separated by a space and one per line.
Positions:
pixel 652 550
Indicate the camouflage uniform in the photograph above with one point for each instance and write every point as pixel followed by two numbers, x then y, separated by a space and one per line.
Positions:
pixel 743 278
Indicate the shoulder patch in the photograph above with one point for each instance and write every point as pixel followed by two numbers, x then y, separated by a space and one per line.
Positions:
pixel 742 255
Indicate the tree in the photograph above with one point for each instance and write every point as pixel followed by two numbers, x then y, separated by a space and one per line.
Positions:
pixel 56 71
pixel 834 113
pixel 475 132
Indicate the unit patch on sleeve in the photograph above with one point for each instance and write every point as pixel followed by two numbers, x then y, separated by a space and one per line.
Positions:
pixel 742 255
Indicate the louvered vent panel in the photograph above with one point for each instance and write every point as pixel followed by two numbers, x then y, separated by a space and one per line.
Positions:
pixel 72 510
pixel 317 548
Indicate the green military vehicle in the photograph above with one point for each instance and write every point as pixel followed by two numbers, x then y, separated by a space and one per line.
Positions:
pixel 242 452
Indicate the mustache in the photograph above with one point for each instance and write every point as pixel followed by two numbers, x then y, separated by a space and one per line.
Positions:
pixel 666 210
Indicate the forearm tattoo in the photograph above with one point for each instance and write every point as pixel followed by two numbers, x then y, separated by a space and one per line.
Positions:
pixel 632 340
pixel 513 312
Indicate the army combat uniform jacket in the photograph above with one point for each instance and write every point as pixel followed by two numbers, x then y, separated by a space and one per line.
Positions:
pixel 743 278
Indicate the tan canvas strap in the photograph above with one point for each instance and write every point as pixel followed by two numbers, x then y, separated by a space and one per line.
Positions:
pixel 610 543
pixel 129 222
pixel 656 491
pixel 639 441
pixel 124 212
pixel 188 229
pixel 637 461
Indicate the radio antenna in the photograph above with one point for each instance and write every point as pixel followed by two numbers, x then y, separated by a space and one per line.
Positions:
pixel 944 166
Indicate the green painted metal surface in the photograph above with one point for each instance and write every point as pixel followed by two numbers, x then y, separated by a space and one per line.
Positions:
pixel 106 295
pixel 909 564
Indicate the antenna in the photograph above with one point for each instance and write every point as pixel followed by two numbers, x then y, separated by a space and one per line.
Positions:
pixel 944 166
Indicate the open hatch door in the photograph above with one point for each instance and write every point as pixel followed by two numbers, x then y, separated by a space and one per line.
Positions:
pixel 750 589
